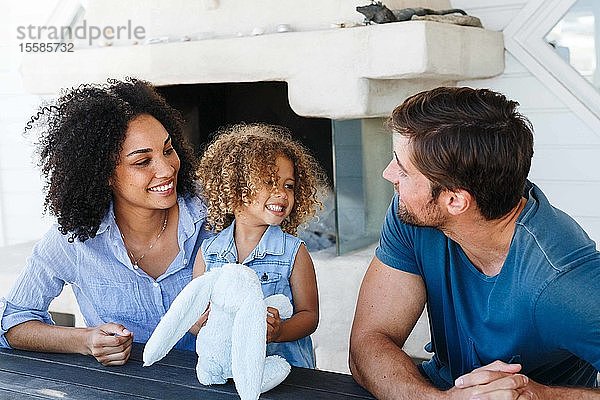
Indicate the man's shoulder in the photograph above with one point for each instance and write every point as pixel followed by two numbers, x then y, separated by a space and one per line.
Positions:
pixel 553 233
pixel 540 211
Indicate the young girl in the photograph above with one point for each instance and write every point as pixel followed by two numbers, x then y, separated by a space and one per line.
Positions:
pixel 259 186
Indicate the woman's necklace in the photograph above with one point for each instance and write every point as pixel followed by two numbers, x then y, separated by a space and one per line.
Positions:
pixel 136 260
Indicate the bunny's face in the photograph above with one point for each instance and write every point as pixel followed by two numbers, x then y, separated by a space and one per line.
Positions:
pixel 236 285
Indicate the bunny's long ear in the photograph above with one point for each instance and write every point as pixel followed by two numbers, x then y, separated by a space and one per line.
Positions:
pixel 187 307
pixel 249 346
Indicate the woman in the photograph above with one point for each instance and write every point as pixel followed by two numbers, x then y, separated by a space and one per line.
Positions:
pixel 121 183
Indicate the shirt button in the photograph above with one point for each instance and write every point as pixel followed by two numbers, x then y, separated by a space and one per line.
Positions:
pixel 155 284
pixel 185 261
pixel 135 266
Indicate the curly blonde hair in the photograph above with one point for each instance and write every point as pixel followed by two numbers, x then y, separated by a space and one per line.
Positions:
pixel 240 161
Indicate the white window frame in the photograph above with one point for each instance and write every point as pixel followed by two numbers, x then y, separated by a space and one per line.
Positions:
pixel 525 39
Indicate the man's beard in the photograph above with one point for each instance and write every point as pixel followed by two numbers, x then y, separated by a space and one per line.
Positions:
pixel 431 216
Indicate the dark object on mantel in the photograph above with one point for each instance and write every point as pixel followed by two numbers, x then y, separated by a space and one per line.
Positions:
pixel 378 13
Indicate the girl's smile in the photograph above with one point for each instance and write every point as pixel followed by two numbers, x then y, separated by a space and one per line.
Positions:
pixel 272 204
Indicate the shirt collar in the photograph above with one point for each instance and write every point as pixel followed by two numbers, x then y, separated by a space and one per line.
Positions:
pixel 272 242
pixel 108 222
pixel 532 193
pixel 191 210
pixel 223 245
pixel 190 213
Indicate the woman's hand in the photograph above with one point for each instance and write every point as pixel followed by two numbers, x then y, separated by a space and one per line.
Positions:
pixel 273 324
pixel 110 344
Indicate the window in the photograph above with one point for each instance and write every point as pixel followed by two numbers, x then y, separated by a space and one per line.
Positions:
pixel 574 39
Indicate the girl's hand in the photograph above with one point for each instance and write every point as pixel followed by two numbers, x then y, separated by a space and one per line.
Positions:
pixel 201 321
pixel 273 324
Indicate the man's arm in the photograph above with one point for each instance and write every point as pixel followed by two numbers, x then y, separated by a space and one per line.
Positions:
pixel 535 391
pixel 389 303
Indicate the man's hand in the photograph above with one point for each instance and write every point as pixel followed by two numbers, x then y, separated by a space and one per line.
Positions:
pixel 110 344
pixel 497 380
pixel 273 324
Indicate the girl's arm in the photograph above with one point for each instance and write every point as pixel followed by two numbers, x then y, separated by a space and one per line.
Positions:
pixel 199 269
pixel 306 303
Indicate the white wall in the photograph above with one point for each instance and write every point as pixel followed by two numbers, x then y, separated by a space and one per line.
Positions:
pixel 21 196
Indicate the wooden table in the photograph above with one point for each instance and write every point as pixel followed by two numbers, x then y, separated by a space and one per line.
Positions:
pixel 29 375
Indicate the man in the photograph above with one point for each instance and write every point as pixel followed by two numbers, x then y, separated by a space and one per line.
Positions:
pixel 510 282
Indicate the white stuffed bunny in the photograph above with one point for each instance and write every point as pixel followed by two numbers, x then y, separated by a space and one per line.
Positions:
pixel 232 344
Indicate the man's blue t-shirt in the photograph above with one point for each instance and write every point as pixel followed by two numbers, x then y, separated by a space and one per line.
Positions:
pixel 542 310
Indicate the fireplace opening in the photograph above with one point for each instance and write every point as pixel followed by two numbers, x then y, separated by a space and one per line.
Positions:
pixel 207 107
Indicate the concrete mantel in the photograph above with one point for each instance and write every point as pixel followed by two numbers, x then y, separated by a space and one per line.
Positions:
pixel 343 73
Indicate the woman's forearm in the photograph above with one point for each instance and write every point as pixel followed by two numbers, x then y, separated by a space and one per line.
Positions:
pixel 38 336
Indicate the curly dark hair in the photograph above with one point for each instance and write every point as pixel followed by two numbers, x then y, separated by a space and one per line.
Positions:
pixel 241 159
pixel 81 136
